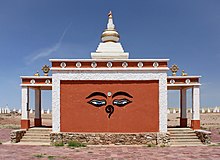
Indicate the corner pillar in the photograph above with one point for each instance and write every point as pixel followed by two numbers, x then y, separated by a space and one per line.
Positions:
pixel 25 121
pixel 183 108
pixel 37 119
pixel 195 122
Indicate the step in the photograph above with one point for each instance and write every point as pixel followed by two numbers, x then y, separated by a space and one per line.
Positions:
pixel 185 137
pixel 35 140
pixel 185 144
pixel 178 129
pixel 182 132
pixel 179 135
pixel 31 137
pixel 185 140
pixel 34 134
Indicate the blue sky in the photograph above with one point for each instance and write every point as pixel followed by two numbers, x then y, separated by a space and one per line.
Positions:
pixel 33 31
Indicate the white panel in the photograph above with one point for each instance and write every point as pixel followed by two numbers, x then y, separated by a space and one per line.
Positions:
pixel 195 103
pixel 24 103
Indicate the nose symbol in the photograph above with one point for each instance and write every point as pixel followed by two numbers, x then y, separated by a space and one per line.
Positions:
pixel 109 109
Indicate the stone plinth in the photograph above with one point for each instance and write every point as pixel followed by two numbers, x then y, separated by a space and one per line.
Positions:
pixel 112 138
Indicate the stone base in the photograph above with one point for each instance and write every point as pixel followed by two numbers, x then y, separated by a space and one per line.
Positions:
pixel 112 138
pixel 195 124
pixel 37 122
pixel 25 124
pixel 183 122
pixel 16 135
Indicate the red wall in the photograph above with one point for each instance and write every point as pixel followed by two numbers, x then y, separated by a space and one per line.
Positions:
pixel 141 115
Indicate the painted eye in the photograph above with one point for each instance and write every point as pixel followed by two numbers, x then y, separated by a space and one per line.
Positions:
pixel 97 103
pixel 121 102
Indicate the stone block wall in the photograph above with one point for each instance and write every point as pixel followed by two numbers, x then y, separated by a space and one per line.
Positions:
pixel 204 136
pixel 112 138
pixel 16 135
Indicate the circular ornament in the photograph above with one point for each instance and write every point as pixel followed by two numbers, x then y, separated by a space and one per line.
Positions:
pixel 93 64
pixel 155 64
pixel 140 64
pixel 187 81
pixel 109 94
pixel 124 65
pixel 63 65
pixel 47 81
pixel 78 64
pixel 172 81
pixel 32 81
pixel 109 64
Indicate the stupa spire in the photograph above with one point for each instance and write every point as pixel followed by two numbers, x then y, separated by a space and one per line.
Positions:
pixel 110 47
pixel 110 25
pixel 110 34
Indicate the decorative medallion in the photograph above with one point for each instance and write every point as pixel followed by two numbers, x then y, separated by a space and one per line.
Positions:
pixel 32 81
pixel 174 69
pixel 109 94
pixel 172 81
pixel 155 64
pixel 140 64
pixel 78 64
pixel 63 65
pixel 46 70
pixel 109 64
pixel 93 64
pixel 124 65
pixel 123 99
pixel 187 81
pixel 47 81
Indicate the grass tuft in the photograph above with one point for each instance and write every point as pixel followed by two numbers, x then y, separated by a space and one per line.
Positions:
pixel 75 144
pixel 39 155
pixel 151 145
pixel 58 144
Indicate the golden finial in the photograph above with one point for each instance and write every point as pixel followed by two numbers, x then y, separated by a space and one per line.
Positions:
pixel 174 69
pixel 37 74
pixel 184 73
pixel 46 70
pixel 110 14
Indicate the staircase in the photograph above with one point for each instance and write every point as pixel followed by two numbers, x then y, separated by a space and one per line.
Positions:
pixel 183 137
pixel 36 136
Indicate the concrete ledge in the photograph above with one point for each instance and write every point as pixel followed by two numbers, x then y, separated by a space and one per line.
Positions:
pixel 204 136
pixel 16 135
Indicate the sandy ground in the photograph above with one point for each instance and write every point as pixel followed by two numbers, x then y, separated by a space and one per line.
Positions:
pixel 209 121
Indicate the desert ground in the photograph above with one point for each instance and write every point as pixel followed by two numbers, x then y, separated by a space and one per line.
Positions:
pixel 9 122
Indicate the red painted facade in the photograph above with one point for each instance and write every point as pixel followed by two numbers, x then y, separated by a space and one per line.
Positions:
pixel 140 115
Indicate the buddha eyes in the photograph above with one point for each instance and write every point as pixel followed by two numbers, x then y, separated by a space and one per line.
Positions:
pixel 97 103
pixel 121 102
pixel 117 102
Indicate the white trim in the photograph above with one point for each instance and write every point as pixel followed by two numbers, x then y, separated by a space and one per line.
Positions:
pixel 107 60
pixel 36 85
pixel 113 75
pixel 183 85
pixel 111 69
pixel 182 77
pixel 36 77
